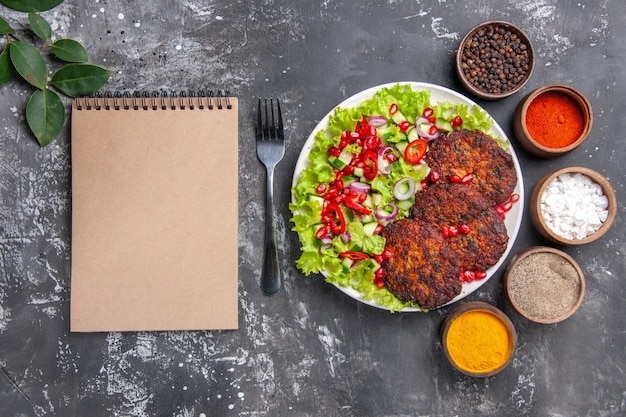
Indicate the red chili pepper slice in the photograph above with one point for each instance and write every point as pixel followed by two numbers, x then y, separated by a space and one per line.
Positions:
pixel 371 160
pixel 415 151
pixel 362 128
pixel 338 222
pixel 356 206
pixel 355 256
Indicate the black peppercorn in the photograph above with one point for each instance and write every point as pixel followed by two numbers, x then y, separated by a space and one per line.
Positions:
pixel 495 59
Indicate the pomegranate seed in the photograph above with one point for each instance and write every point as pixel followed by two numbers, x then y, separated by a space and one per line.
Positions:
pixel 480 274
pixel 453 231
pixel 362 197
pixel 393 109
pixel 338 199
pixel 507 206
pixel 391 158
pixel 321 189
pixel 445 231
pixel 456 122
pixel 379 273
pixel 404 126
pixel 465 229
pixel 433 130
pixel 387 254
pixel 348 170
pixel 428 112
pixel 378 259
pixel 378 230
pixel 467 276
pixel 514 198
pixel 334 152
pixel 455 178
pixel 499 209
pixel 434 176
pixel 467 179
pixel 379 283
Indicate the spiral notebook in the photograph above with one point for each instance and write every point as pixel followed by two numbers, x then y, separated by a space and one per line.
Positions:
pixel 154 212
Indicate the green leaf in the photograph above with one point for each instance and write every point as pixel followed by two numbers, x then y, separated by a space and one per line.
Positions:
pixel 31 5
pixel 40 26
pixel 29 63
pixel 45 115
pixel 75 80
pixel 69 50
pixel 6 68
pixel 5 28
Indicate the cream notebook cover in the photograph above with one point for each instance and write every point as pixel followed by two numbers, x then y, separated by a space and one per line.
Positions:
pixel 154 214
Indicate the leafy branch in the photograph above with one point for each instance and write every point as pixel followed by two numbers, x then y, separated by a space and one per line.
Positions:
pixel 45 113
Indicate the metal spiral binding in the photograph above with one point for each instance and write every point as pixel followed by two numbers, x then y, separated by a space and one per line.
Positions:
pixel 155 100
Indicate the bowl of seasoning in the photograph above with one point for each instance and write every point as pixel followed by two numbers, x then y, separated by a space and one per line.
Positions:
pixel 552 120
pixel 543 284
pixel 495 60
pixel 573 206
pixel 478 339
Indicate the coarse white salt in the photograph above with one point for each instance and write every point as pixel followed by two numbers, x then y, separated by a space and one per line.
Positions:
pixel 574 206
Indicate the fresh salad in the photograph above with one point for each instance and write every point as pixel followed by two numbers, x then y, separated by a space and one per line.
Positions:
pixel 364 171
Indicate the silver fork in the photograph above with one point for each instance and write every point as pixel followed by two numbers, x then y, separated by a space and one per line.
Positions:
pixel 270 149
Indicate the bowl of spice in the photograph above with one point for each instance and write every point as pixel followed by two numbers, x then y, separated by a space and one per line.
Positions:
pixel 478 339
pixel 573 206
pixel 552 120
pixel 495 60
pixel 544 284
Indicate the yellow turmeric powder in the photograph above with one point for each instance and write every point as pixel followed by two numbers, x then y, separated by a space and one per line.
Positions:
pixel 478 341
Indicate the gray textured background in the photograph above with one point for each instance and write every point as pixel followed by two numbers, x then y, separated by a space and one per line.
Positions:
pixel 310 350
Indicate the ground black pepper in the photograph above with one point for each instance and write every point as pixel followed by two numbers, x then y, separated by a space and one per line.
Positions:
pixel 544 285
pixel 495 59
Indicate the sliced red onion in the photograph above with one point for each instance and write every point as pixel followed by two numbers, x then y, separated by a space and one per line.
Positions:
pixel 383 215
pixel 398 188
pixel 360 187
pixel 345 237
pixel 377 121
pixel 384 166
pixel 421 133
pixel 327 242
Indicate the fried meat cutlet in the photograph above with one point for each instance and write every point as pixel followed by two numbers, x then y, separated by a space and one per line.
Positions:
pixel 424 269
pixel 485 243
pixel 462 152
pixel 445 203
pixel 461 205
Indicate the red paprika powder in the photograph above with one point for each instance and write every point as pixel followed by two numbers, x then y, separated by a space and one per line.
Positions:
pixel 554 119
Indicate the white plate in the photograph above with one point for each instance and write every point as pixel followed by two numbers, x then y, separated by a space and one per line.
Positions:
pixel 438 94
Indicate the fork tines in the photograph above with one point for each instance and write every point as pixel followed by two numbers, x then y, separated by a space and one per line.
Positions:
pixel 269 129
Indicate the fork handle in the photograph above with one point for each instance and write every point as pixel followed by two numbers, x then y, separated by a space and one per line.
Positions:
pixel 270 276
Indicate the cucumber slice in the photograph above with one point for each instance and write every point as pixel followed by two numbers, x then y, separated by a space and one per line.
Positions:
pixel 443 125
pixel 370 228
pixel 402 146
pixel 398 117
pixel 344 158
